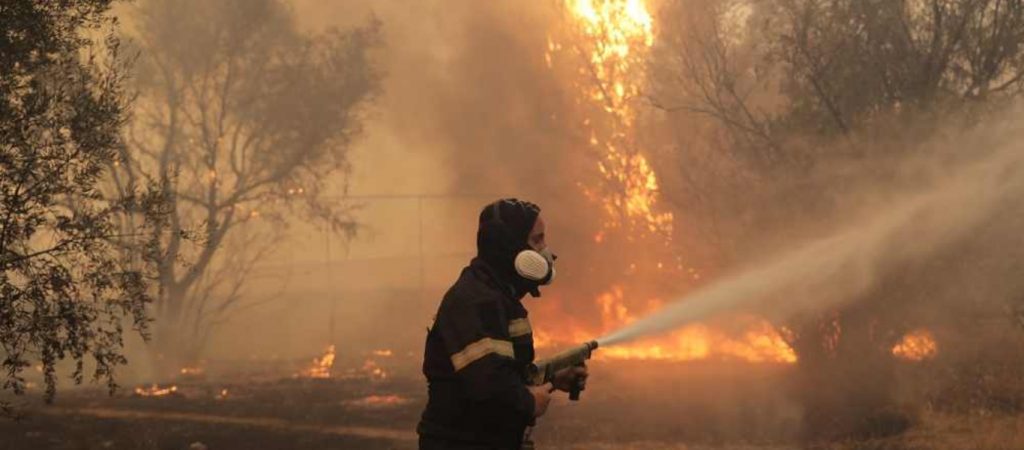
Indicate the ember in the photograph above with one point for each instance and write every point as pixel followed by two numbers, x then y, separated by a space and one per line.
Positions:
pixel 917 345
pixel 155 391
pixel 378 401
pixel 191 371
pixel 374 370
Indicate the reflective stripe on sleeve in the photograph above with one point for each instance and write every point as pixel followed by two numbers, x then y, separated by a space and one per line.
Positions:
pixel 519 327
pixel 479 349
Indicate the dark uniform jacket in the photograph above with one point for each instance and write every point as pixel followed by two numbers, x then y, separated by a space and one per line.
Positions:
pixel 475 359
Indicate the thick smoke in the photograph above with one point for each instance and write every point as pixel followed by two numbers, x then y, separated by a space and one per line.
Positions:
pixel 470 112
pixel 469 91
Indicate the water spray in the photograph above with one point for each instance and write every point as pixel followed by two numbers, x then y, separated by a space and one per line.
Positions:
pixel 835 269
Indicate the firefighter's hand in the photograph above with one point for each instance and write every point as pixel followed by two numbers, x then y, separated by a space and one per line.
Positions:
pixel 566 378
pixel 541 398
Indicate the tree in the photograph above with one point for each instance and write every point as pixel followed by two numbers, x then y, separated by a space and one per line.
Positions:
pixel 796 86
pixel 65 288
pixel 247 123
pixel 797 67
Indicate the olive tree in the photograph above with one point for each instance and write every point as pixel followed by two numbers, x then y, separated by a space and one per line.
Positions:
pixel 66 287
pixel 247 123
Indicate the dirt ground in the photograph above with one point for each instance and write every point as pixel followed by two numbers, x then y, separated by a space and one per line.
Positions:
pixel 640 406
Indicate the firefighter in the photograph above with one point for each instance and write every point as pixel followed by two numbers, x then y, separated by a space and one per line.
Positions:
pixel 481 340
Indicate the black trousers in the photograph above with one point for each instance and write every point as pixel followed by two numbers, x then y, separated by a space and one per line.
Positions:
pixel 432 443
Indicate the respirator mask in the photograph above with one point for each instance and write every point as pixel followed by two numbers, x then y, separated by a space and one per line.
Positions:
pixel 536 266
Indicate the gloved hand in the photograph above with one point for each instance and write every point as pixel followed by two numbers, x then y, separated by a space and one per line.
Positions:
pixel 565 379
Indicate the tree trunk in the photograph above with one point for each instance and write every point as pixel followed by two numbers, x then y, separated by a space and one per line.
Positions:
pixel 174 345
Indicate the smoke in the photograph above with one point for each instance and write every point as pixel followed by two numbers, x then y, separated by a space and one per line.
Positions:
pixel 469 112
pixel 959 200
pixel 470 109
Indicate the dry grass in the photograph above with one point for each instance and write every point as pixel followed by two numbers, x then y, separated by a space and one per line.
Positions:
pixel 641 406
pixel 948 431
pixel 935 431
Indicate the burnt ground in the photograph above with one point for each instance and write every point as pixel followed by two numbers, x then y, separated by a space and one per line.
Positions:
pixel 630 405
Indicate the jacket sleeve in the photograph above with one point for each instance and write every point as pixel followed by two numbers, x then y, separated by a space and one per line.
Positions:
pixel 476 338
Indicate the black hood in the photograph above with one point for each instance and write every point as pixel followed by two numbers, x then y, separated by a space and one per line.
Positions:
pixel 504 231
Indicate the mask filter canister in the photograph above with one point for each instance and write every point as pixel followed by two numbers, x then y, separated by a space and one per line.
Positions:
pixel 535 266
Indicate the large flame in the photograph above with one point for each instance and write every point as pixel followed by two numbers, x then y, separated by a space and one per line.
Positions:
pixel 607 43
pixel 748 338
pixel 759 342
pixel 612 39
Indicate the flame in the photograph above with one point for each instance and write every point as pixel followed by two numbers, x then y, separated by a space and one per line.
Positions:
pixel 917 345
pixel 321 367
pixel 608 43
pixel 751 339
pixel 222 395
pixel 613 37
pixel 155 391
pixel 758 343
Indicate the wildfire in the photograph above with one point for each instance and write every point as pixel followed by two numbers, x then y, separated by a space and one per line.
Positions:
pixel 756 340
pixel 321 367
pixel 917 345
pixel 155 391
pixel 613 37
pixel 758 343
pixel 609 42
